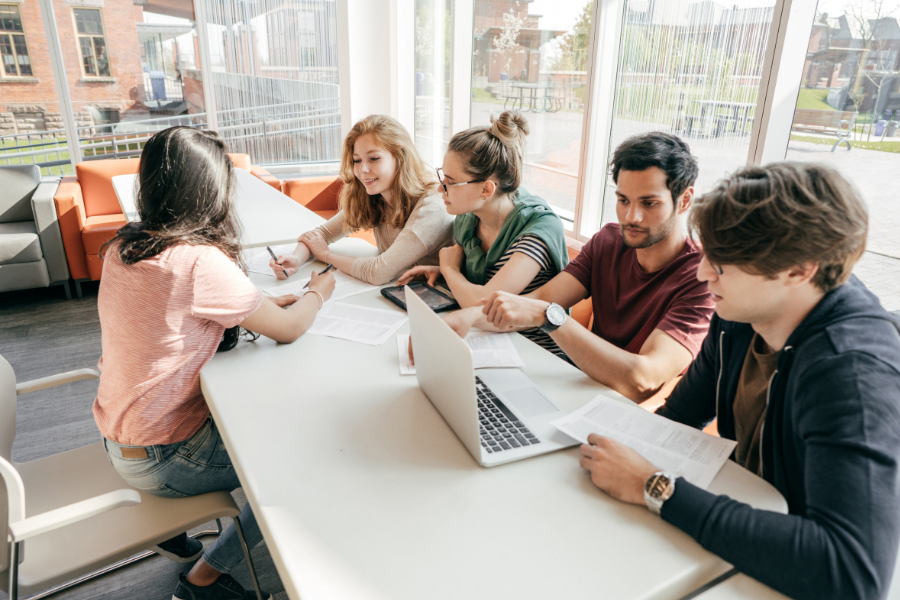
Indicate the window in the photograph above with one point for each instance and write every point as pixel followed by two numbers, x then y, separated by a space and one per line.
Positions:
pixel 432 61
pixel 91 42
pixel 13 50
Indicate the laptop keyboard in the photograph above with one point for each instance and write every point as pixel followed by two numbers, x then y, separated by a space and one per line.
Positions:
pixel 500 428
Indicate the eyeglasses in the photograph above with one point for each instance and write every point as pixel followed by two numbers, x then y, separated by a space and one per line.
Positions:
pixel 440 174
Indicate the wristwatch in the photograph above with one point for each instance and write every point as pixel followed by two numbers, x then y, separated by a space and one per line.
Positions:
pixel 658 488
pixel 554 317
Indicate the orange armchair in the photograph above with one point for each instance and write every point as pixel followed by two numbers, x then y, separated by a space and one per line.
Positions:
pixel 320 195
pixel 89 212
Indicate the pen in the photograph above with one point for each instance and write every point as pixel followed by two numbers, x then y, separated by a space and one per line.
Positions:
pixel 325 270
pixel 276 261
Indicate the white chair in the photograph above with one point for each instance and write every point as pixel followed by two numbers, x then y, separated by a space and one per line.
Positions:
pixel 72 515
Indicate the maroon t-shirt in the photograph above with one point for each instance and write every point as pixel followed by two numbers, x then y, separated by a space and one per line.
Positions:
pixel 629 304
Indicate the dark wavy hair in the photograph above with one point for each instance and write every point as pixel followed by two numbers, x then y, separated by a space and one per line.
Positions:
pixel 767 219
pixel 186 196
pixel 657 149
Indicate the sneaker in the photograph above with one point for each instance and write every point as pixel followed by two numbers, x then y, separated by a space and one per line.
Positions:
pixel 225 588
pixel 180 549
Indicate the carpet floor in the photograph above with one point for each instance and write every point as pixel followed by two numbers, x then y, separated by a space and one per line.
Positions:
pixel 42 334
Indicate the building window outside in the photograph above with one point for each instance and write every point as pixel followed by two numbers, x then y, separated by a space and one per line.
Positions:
pixel 13 49
pixel 91 42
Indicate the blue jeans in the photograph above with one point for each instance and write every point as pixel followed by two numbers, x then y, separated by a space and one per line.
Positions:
pixel 198 465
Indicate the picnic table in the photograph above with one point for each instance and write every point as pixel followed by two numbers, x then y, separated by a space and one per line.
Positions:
pixel 539 95
pixel 720 114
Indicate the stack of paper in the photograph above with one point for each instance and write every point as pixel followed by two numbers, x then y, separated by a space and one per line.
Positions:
pixel 345 286
pixel 357 323
pixel 670 446
pixel 257 259
pixel 488 350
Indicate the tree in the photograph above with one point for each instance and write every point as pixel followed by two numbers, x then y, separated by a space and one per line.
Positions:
pixel 876 49
pixel 509 33
pixel 573 45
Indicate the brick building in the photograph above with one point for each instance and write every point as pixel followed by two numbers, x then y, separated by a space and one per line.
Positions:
pixel 102 57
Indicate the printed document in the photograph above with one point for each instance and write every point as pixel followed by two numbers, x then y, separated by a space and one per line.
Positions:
pixel 344 286
pixel 257 259
pixel 371 326
pixel 488 350
pixel 670 446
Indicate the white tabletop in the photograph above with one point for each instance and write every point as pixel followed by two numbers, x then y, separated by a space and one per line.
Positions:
pixel 267 216
pixel 741 587
pixel 362 490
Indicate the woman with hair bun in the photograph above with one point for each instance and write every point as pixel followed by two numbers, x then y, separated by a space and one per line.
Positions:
pixel 387 188
pixel 506 239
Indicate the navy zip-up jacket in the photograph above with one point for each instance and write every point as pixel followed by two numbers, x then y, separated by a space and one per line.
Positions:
pixel 830 445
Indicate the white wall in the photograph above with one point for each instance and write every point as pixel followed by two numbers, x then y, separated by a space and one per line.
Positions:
pixel 375 60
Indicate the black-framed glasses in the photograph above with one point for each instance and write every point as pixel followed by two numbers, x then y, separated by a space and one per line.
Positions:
pixel 440 174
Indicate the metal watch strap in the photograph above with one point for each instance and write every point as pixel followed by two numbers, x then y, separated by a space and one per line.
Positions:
pixel 549 326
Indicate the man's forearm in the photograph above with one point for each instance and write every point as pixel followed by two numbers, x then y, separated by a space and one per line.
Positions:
pixel 603 362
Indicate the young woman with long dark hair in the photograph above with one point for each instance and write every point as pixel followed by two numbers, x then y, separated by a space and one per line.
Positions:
pixel 171 295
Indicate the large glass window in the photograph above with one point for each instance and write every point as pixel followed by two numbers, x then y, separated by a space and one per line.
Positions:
pixel 13 49
pixel 275 79
pixel 91 42
pixel 533 57
pixel 848 116
pixel 692 69
pixel 432 87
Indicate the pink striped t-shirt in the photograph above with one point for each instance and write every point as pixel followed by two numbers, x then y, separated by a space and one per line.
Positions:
pixel 161 321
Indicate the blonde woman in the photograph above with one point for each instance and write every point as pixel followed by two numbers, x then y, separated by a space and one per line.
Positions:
pixel 389 189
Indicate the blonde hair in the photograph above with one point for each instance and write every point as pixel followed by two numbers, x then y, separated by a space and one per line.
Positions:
pixel 411 183
pixel 496 150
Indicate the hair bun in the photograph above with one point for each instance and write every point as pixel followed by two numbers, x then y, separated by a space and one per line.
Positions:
pixel 510 128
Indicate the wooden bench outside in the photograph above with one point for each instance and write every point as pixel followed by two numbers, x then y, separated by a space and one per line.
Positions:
pixel 838 123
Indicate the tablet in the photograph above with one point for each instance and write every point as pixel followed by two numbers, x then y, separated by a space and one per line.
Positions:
pixel 436 301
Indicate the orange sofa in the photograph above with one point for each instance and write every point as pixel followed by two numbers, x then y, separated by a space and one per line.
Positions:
pixel 89 213
pixel 320 195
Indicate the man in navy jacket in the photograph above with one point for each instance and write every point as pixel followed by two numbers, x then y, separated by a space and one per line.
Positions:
pixel 802 367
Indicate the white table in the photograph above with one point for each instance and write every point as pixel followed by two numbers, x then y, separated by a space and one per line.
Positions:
pixel 267 216
pixel 362 491
pixel 741 587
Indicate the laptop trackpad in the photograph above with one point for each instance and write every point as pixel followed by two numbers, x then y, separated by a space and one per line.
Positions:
pixel 530 402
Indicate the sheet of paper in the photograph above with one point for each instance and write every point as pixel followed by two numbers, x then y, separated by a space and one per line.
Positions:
pixel 670 446
pixel 489 350
pixel 344 286
pixel 371 326
pixel 258 259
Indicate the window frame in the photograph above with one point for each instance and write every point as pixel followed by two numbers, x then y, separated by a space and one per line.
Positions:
pixel 91 36
pixel 15 54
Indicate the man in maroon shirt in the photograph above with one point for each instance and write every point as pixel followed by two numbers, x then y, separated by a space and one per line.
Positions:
pixel 650 311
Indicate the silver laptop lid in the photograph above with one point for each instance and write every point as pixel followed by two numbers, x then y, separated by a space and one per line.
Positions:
pixel 444 370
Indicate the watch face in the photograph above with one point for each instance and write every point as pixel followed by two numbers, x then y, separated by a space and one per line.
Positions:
pixel 658 485
pixel 556 314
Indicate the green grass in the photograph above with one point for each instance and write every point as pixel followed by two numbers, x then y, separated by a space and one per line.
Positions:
pixel 891 146
pixel 814 99
pixel 60 142
pixel 482 95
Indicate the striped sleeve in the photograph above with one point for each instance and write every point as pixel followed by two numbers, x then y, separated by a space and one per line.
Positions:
pixel 535 248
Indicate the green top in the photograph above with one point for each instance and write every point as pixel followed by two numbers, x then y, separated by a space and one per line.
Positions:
pixel 530 215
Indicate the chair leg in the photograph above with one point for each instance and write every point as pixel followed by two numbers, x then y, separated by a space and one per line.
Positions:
pixel 240 532
pixel 13 571
pixel 78 288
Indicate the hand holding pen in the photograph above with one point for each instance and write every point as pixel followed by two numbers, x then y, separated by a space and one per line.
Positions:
pixel 275 258
pixel 322 272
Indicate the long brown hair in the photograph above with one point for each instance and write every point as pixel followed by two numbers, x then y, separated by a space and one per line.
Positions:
pixel 186 196
pixel 412 181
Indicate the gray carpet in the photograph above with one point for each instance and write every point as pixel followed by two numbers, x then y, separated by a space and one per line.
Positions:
pixel 43 334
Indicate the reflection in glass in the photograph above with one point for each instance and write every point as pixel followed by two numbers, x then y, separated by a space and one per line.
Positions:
pixel 692 69
pixel 432 88
pixel 848 107
pixel 532 57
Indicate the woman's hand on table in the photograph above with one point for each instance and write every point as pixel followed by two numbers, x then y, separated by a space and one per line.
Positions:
pixel 316 244
pixel 428 273
pixel 324 284
pixel 616 469
pixel 288 263
pixel 452 257
pixel 286 300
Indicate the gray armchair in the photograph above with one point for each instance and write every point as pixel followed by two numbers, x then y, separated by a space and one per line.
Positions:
pixel 31 247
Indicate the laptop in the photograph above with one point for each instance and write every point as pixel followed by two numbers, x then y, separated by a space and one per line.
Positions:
pixel 500 415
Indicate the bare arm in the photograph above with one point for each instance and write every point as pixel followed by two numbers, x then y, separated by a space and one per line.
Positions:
pixel 286 325
pixel 635 376
pixel 513 277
